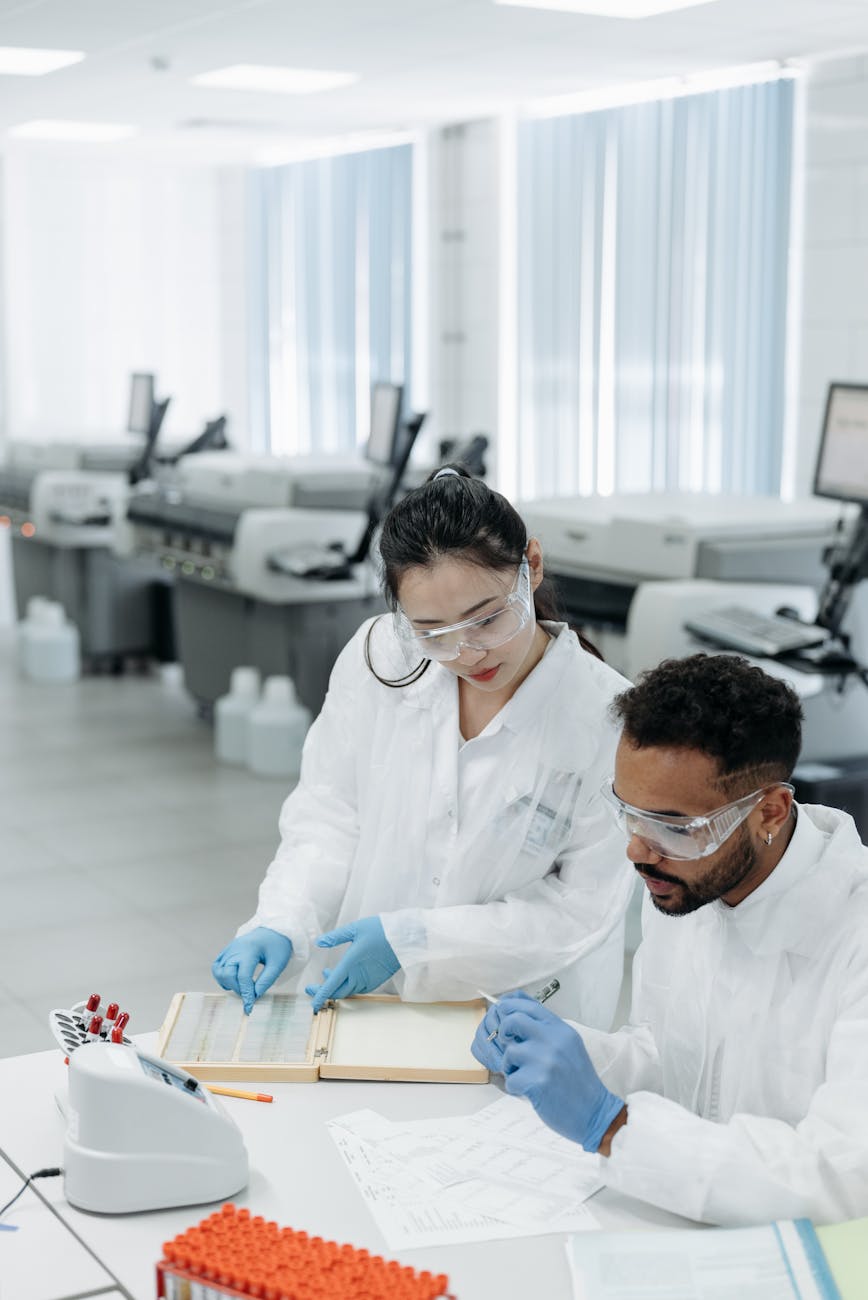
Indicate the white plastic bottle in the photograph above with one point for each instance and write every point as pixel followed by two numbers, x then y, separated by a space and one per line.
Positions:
pixel 276 731
pixel 232 715
pixel 51 648
pixel 33 614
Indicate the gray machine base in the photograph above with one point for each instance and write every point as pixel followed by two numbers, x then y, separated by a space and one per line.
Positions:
pixel 218 630
pixel 120 606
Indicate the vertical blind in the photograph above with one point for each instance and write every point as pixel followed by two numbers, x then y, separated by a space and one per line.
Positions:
pixel 330 307
pixel 652 292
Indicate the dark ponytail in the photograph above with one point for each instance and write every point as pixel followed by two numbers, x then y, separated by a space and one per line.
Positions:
pixel 455 514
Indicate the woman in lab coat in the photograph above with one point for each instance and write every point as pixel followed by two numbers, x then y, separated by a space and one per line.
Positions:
pixel 448 819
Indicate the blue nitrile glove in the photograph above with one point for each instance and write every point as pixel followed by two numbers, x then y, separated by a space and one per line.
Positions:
pixel 368 962
pixel 542 1058
pixel 233 967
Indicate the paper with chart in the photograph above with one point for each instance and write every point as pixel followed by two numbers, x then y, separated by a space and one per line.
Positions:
pixel 498 1173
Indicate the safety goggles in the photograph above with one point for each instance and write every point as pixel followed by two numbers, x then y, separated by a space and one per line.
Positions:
pixel 684 839
pixel 482 632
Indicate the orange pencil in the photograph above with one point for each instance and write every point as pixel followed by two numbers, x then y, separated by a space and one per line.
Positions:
pixel 237 1092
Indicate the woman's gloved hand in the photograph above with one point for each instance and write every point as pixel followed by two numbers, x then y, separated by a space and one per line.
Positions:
pixel 544 1059
pixel 234 967
pixel 368 962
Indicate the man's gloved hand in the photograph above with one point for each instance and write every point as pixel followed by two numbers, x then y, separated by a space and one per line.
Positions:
pixel 368 962
pixel 544 1059
pixel 233 968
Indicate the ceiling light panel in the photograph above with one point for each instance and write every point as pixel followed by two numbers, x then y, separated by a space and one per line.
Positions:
pixel 84 132
pixel 20 61
pixel 609 8
pixel 274 80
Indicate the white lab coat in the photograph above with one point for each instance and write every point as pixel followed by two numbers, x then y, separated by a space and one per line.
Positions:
pixel 493 864
pixel 745 1062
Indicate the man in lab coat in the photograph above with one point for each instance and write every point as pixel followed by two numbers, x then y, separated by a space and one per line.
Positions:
pixel 737 1093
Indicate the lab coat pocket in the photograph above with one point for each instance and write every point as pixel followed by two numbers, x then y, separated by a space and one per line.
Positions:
pixel 522 842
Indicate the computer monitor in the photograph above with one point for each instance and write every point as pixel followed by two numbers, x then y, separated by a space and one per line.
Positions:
pixel 842 464
pixel 383 440
pixel 141 403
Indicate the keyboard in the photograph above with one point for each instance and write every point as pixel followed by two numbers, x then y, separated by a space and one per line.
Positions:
pixel 737 628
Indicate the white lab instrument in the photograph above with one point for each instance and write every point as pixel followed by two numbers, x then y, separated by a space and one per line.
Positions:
pixel 216 528
pixel 77 508
pixel 64 502
pixel 193 518
pixel 144 1135
pixel 660 612
pixel 635 537
pixel 601 550
pixel 234 606
pixel 265 573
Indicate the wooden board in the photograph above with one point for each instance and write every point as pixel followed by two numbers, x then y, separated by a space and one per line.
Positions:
pixel 378 1037
pixel 209 1035
pixel 371 1037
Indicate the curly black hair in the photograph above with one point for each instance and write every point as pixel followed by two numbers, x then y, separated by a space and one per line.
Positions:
pixel 720 705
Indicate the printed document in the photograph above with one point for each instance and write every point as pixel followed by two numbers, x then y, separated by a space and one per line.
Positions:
pixel 499 1173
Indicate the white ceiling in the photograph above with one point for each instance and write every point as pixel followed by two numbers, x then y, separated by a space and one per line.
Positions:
pixel 419 61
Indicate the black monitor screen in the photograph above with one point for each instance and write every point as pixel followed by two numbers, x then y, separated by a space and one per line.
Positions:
pixel 141 402
pixel 385 423
pixel 842 465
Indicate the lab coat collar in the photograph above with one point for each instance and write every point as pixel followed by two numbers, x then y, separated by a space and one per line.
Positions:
pixel 536 691
pixel 533 696
pixel 791 910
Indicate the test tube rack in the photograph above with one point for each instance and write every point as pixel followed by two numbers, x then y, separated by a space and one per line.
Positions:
pixel 233 1255
pixel 69 1027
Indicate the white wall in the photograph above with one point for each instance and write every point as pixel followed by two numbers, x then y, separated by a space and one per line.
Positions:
pixel 117 263
pixel 834 333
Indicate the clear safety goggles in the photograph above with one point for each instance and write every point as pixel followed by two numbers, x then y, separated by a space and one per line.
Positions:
pixel 482 632
pixel 684 839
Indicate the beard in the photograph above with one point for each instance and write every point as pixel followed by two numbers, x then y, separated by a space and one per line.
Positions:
pixel 726 874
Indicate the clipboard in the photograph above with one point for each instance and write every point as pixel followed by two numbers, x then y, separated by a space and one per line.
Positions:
pixel 374 1036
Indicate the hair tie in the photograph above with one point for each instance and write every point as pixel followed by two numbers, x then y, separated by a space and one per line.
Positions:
pixel 447 469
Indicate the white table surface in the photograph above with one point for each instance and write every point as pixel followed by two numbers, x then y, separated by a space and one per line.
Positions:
pixel 297 1178
pixel 41 1259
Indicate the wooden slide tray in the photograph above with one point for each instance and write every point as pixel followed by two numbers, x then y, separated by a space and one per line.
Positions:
pixel 282 1041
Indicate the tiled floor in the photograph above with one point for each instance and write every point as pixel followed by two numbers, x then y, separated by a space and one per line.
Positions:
pixel 128 855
